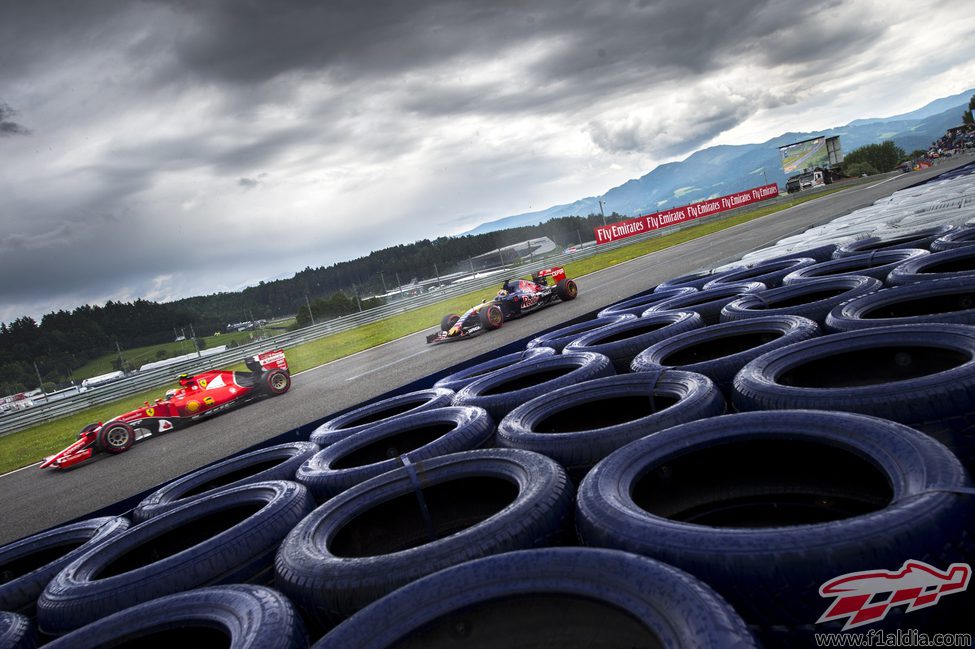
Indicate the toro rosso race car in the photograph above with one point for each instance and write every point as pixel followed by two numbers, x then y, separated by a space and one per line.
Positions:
pixel 516 298
pixel 198 396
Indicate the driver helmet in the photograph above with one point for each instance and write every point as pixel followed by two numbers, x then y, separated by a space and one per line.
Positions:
pixel 502 293
pixel 170 394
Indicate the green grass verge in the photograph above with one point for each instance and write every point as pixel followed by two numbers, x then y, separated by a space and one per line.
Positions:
pixel 27 446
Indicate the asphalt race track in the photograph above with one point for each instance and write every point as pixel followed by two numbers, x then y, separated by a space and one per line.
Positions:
pixel 34 500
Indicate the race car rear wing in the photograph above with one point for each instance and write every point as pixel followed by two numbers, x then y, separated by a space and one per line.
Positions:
pixel 269 360
pixel 557 273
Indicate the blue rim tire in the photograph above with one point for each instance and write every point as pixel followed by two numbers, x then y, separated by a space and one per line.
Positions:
pixel 370 414
pixel 456 380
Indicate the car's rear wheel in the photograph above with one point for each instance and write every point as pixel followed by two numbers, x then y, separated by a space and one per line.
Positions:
pixel 566 289
pixel 277 382
pixel 449 321
pixel 114 438
pixel 491 316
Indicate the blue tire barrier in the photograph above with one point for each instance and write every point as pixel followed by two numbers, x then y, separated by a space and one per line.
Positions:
pixel 370 414
pixel 707 303
pixel 635 306
pixel 228 537
pixel 549 598
pixel 279 462
pixel 766 507
pixel 720 351
pixel 877 264
pixel 236 616
pixel 956 263
pixel 562 336
pixel 622 341
pixel 819 253
pixel 501 392
pixel 404 524
pixel 921 375
pixel 457 380
pixel 937 300
pixel 580 424
pixel 769 273
pixel 420 436
pixel 959 238
pixel 693 280
pixel 920 238
pixel 16 631
pixel 27 565
pixel 812 299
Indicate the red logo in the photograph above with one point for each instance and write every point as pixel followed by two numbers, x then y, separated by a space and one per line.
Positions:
pixel 865 597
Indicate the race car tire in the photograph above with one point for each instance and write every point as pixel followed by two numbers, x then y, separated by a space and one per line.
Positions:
pixel 769 272
pixel 491 316
pixel 381 448
pixel 921 375
pixel 707 303
pixel 566 289
pixel 372 413
pixel 276 382
pixel 720 351
pixel 812 299
pixel 580 424
pixel 877 264
pixel 963 236
pixel 694 280
pixel 115 437
pixel 549 597
pixel 765 507
pixel 417 519
pixel 279 462
pixel 27 565
pixel 501 392
pixel 622 341
pixel 16 632
pixel 557 339
pixel 448 321
pixel 227 537
pixel 921 238
pixel 636 306
pixel 959 262
pixel 459 379
pixel 237 616
pixel 937 300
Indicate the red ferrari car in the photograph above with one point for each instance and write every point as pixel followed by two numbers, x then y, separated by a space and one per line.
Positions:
pixel 198 396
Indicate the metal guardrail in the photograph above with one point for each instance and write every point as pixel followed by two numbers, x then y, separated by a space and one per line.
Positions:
pixel 143 381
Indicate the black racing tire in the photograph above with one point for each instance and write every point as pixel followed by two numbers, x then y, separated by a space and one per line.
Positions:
pixel 937 300
pixel 16 631
pixel 921 375
pixel 876 264
pixel 914 238
pixel 694 280
pixel 768 272
pixel 580 424
pixel 622 341
pixel 813 299
pixel 557 339
pixel 276 382
pixel 456 380
pixel 228 537
pixel 959 262
pixel 371 414
pixel 490 316
pixel 448 321
pixel 27 565
pixel 115 437
pixel 566 289
pixel 720 351
pixel 959 238
pixel 278 462
pixel 372 539
pixel 376 450
pixel 766 507
pixel 707 303
pixel 636 306
pixel 548 598
pixel 237 616
pixel 501 392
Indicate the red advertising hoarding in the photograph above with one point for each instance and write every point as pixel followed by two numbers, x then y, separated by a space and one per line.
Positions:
pixel 657 220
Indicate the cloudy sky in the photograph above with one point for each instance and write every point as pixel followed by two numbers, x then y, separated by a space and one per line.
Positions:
pixel 169 148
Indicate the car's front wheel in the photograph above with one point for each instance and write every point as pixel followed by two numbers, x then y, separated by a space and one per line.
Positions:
pixel 277 382
pixel 114 438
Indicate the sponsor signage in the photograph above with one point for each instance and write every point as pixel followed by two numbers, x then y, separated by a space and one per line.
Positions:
pixel 649 222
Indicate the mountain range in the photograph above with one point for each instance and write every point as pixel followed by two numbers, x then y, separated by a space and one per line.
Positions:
pixel 725 169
